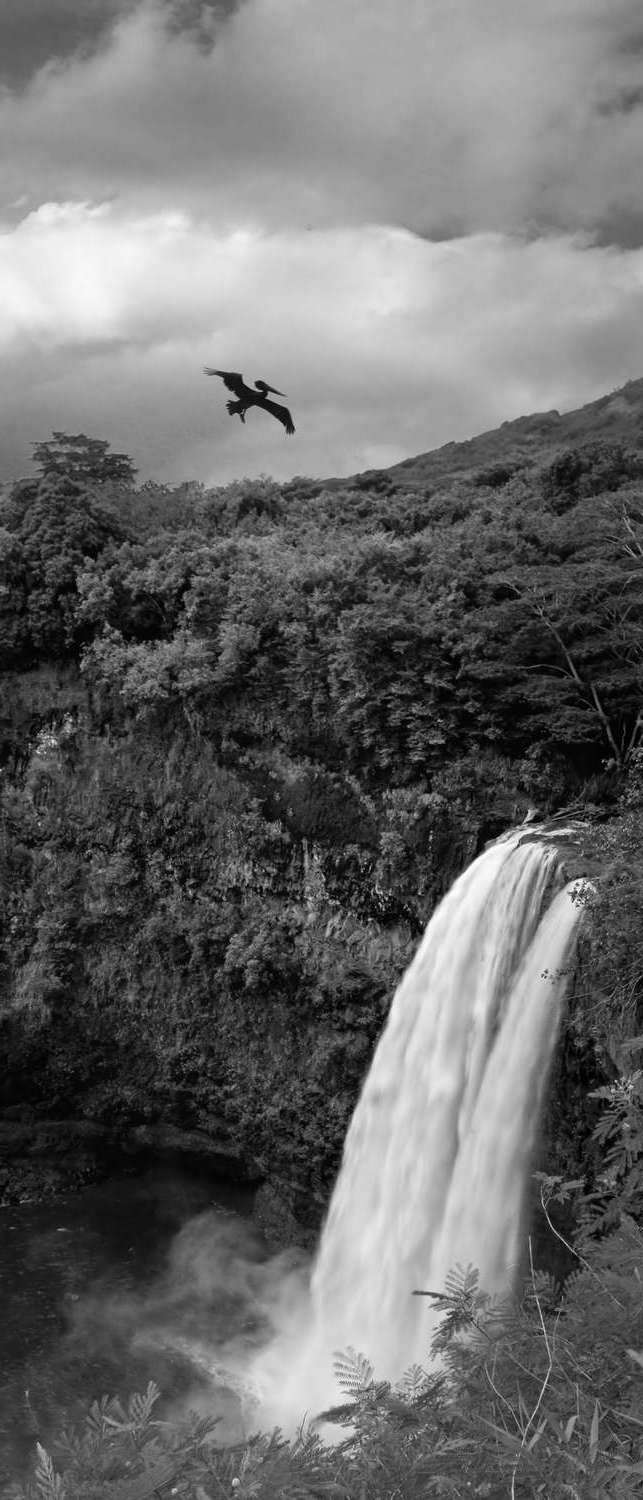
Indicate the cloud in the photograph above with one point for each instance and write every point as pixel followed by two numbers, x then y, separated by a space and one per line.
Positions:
pixel 38 31
pixel 448 117
pixel 386 344
pixel 34 31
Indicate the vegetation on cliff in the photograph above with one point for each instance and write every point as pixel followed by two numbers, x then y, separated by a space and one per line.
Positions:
pixel 249 736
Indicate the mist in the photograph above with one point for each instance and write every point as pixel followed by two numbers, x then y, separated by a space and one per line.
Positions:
pixel 213 1328
pixel 161 1276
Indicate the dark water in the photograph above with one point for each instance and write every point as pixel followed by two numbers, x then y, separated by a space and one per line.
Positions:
pixel 94 1287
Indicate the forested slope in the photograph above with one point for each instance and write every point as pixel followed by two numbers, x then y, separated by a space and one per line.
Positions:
pixel 249 735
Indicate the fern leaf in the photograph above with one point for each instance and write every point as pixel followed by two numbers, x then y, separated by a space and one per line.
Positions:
pixel 138 1413
pixel 462 1282
pixel 140 1406
pixel 460 1302
pixel 353 1371
pixel 414 1383
pixel 49 1484
pixel 108 1412
pixel 593 1434
pixel 339 1415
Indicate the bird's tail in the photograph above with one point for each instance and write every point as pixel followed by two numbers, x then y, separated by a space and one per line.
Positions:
pixel 236 408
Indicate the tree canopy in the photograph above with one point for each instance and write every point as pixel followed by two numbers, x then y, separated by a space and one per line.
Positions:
pixel 86 459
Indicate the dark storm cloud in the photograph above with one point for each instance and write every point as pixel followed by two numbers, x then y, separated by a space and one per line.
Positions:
pixel 36 32
pixel 623 102
pixel 509 116
pixel 33 32
pixel 199 19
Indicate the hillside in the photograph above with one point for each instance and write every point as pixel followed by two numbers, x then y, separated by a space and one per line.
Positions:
pixel 614 418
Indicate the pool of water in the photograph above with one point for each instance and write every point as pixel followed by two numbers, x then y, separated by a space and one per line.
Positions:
pixel 99 1292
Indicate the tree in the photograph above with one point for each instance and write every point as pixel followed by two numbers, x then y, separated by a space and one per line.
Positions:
pixel 614 663
pixel 52 529
pixel 75 456
pixel 555 640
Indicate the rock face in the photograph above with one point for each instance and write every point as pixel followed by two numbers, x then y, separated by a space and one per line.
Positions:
pixel 45 1159
pixel 42 1159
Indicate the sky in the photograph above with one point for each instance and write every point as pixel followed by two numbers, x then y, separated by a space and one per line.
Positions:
pixel 418 218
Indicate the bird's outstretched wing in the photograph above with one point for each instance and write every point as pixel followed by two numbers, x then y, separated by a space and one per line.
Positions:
pixel 230 378
pixel 281 413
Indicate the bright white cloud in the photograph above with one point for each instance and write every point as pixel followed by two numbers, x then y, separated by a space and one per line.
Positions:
pixel 386 344
pixel 439 115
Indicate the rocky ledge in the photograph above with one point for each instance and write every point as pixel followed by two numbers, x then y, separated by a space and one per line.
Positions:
pixel 41 1159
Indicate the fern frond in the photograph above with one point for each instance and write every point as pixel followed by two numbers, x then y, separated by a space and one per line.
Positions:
pixel 197 1430
pixel 462 1282
pixel 49 1484
pixel 353 1371
pixel 107 1411
pixel 141 1406
pixel 461 1303
pixel 339 1415
pixel 138 1414
pixel 413 1384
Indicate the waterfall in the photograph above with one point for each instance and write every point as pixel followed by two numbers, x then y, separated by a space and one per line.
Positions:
pixel 437 1155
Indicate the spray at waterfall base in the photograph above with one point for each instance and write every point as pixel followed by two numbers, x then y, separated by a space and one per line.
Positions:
pixel 438 1152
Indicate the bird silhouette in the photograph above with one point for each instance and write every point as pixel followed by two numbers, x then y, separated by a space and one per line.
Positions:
pixel 248 397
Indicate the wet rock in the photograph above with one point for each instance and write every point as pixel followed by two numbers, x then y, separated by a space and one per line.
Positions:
pixel 274 1212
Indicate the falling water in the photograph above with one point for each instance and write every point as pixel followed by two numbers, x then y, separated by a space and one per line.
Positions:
pixel 437 1153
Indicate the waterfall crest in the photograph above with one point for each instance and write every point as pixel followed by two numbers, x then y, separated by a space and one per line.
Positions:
pixel 438 1150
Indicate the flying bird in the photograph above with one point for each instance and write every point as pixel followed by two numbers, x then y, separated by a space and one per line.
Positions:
pixel 247 397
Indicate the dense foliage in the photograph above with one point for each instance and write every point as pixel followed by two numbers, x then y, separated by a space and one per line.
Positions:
pixel 249 735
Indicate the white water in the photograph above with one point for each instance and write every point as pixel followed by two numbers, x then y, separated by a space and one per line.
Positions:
pixel 437 1154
